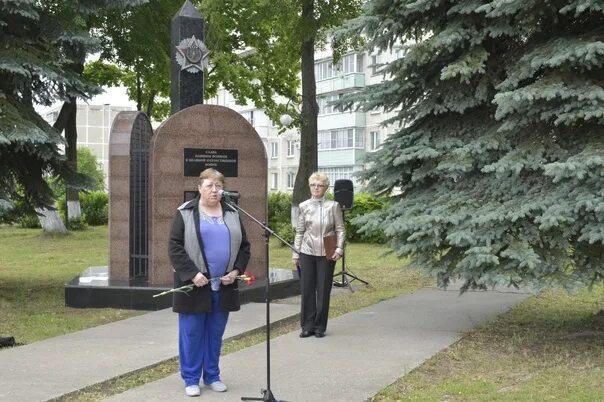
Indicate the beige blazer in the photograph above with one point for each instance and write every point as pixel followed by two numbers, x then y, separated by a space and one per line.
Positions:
pixel 318 218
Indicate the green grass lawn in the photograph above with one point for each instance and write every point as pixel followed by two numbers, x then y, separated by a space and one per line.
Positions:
pixel 33 271
pixel 387 275
pixel 548 348
pixel 35 267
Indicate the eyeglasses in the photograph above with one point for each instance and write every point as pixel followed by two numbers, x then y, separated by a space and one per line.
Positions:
pixel 210 185
pixel 317 185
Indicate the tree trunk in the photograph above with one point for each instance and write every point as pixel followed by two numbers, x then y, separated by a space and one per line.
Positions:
pixel 64 114
pixel 139 93
pixel 67 121
pixel 150 103
pixel 71 151
pixel 308 127
pixel 308 115
pixel 50 220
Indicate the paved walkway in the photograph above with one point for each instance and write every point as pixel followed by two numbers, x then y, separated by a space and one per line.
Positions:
pixel 363 352
pixel 57 366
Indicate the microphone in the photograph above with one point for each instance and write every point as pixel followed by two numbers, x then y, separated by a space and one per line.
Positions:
pixel 229 194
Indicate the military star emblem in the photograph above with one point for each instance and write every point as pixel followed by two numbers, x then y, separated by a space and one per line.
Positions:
pixel 192 55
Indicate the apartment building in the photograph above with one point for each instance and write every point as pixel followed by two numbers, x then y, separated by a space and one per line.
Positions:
pixel 344 137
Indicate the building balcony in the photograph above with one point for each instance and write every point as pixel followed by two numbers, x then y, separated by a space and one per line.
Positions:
pixel 340 157
pixel 340 120
pixel 341 83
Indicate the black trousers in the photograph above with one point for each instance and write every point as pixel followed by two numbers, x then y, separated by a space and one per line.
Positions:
pixel 315 280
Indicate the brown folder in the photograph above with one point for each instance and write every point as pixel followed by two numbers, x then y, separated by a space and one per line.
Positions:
pixel 330 243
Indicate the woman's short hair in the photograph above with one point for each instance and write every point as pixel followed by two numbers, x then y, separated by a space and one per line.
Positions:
pixel 210 173
pixel 316 176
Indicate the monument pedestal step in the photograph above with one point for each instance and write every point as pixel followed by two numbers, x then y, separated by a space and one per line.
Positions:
pixel 93 289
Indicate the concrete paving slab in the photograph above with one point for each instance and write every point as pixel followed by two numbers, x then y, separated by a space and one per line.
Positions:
pixel 57 366
pixel 363 352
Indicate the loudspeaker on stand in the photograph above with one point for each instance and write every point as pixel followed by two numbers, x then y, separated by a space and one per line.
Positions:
pixel 343 193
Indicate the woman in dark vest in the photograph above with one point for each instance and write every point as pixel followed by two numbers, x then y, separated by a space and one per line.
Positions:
pixel 207 241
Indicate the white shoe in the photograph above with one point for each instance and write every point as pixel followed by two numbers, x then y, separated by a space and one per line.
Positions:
pixel 192 390
pixel 218 386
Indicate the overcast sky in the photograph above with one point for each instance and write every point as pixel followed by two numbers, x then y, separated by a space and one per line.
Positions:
pixel 115 96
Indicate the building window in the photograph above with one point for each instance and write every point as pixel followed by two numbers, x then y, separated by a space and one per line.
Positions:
pixel 359 139
pixel 291 147
pixel 341 138
pixel 376 60
pixel 347 64
pixel 374 140
pixel 249 116
pixel 95 135
pixel 291 178
pixel 274 181
pixel 326 105
pixel 337 173
pixel 274 150
pixel 350 63
pixel 401 52
pixel 360 58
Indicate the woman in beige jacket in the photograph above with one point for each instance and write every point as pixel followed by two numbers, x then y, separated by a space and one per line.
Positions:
pixel 318 218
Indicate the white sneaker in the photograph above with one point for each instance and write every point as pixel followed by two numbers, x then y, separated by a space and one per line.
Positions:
pixel 192 390
pixel 218 386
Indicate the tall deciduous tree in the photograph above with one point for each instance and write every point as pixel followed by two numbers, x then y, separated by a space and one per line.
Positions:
pixel 80 18
pixel 500 160
pixel 283 36
pixel 262 50
pixel 137 42
pixel 247 58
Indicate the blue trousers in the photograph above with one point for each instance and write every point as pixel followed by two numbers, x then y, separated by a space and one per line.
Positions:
pixel 199 343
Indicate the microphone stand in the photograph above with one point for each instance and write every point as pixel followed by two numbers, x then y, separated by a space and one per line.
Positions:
pixel 267 394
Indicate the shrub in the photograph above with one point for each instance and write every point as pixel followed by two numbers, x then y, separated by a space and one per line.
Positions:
pixel 90 166
pixel 29 221
pixel 77 224
pixel 60 205
pixel 279 209
pixel 20 212
pixel 25 216
pixel 279 217
pixel 364 203
pixel 95 207
pixel 286 232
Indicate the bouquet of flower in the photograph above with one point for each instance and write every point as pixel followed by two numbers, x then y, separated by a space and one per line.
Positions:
pixel 245 277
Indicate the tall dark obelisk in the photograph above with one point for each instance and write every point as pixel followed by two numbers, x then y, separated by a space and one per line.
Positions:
pixel 189 58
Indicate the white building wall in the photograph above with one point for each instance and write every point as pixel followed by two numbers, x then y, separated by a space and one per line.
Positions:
pixel 93 123
pixel 340 157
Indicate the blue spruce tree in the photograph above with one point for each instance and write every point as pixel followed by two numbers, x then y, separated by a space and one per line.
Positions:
pixel 499 161
pixel 42 43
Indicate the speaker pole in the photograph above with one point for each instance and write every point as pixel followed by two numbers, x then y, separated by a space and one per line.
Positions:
pixel 344 273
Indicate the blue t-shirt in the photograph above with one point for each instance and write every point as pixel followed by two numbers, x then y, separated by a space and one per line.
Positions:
pixel 216 246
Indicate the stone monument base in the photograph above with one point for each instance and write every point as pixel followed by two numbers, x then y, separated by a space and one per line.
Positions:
pixel 93 289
